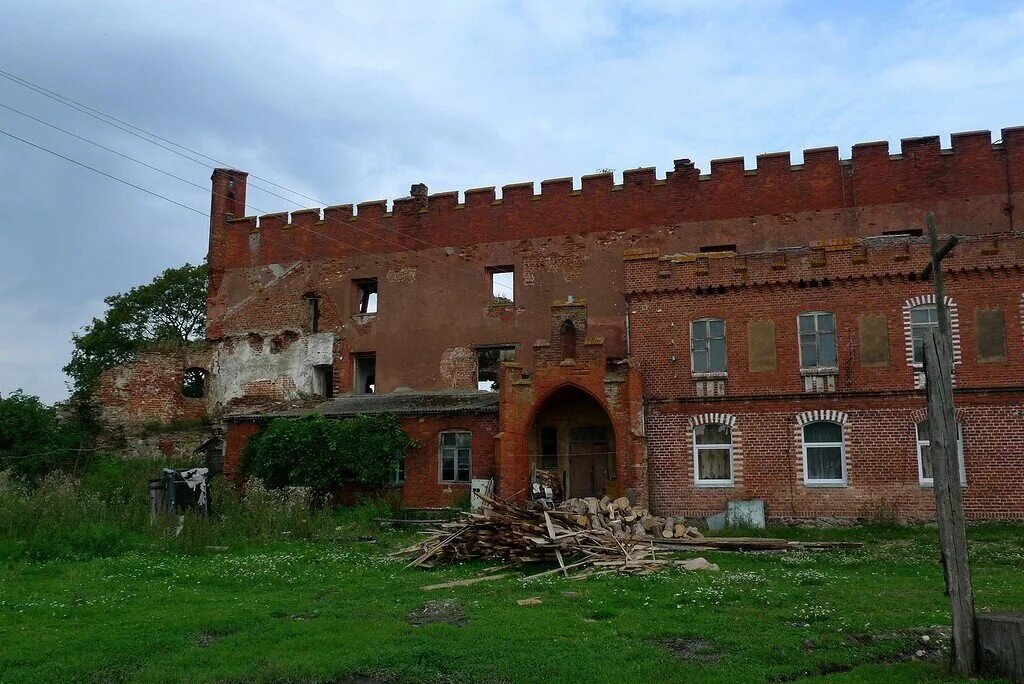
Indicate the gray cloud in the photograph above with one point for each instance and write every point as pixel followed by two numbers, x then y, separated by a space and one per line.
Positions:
pixel 354 101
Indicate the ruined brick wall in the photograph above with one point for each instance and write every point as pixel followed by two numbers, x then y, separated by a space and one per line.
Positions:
pixel 880 400
pixel 431 254
pixel 148 389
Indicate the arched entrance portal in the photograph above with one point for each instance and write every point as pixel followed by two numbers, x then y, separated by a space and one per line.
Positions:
pixel 572 443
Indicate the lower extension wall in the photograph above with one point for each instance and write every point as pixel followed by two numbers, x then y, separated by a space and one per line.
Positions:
pixel 422 487
pixel 880 444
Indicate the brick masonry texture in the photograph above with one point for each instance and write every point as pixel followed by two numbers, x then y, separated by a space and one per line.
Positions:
pixel 754 247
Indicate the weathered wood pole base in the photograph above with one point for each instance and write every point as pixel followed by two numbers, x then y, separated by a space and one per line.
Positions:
pixel 1001 645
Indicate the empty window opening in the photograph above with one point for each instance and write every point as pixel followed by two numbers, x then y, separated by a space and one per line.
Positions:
pixel 312 311
pixel 817 339
pixel 549 448
pixel 456 456
pixel 922 319
pixel 912 232
pixel 924 453
pixel 712 454
pixel 717 248
pixel 824 453
pixel 193 383
pixel 707 345
pixel 366 295
pixel 323 380
pixel 503 285
pixel 568 337
pixel 365 370
pixel 488 365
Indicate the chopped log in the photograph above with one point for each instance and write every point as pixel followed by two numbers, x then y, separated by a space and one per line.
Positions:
pixel 679 530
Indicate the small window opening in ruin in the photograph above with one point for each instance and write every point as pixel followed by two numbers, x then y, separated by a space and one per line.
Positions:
pixel 503 285
pixel 323 380
pixel 549 448
pixel 365 370
pixel 488 365
pixel 912 232
pixel 366 295
pixel 717 248
pixel 568 334
pixel 312 311
pixel 193 383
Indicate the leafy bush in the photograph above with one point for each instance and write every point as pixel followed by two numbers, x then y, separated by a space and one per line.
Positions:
pixel 321 453
pixel 33 441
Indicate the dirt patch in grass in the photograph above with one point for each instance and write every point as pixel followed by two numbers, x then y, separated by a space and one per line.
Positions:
pixel 445 611
pixel 693 649
pixel 919 643
pixel 208 637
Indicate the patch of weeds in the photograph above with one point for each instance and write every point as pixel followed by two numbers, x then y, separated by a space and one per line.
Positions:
pixel 444 611
pixel 209 636
pixel 599 615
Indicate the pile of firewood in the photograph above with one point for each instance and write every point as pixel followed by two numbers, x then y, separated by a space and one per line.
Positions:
pixel 584 536
pixel 619 517
pixel 585 543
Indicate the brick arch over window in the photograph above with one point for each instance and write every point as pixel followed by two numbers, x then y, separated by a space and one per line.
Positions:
pixel 919 414
pixel 954 324
pixel 737 441
pixel 829 416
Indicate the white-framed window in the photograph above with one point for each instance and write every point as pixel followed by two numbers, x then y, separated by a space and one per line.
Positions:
pixel 455 456
pixel 397 476
pixel 712 455
pixel 922 319
pixel 824 453
pixel 707 345
pixel 817 331
pixel 924 461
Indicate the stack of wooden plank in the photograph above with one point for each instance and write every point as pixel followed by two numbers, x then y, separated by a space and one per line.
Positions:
pixel 597 541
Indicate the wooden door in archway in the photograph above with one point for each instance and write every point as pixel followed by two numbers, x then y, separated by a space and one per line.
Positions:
pixel 588 461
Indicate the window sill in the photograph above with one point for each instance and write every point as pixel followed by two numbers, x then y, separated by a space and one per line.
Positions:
pixel 823 370
pixel 825 485
pixel 716 375
pixel 452 483
pixel 722 484
pixel 931 485
pixel 362 318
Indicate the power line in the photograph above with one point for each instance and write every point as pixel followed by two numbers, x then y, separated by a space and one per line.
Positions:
pixel 132 128
pixel 121 125
pixel 201 213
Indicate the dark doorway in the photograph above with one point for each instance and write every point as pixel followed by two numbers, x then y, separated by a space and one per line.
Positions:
pixel 573 444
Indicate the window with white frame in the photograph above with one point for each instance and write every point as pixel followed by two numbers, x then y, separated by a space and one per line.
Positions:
pixel 397 476
pixel 707 345
pixel 455 456
pixel 922 319
pixel 924 453
pixel 712 455
pixel 817 339
pixel 824 453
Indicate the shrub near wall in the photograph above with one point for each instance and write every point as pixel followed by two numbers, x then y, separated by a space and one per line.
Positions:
pixel 323 454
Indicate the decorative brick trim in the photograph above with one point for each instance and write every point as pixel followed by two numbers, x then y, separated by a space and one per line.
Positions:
pixel 954 324
pixel 919 414
pixel 831 416
pixel 705 418
pixel 825 414
pixel 736 436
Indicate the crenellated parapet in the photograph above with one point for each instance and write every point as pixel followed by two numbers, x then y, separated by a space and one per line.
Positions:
pixel 819 264
pixel 921 175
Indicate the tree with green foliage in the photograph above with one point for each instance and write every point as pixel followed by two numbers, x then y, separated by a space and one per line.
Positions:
pixel 322 453
pixel 34 442
pixel 169 310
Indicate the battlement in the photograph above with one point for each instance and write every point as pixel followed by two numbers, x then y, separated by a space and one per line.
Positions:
pixel 819 264
pixel 921 175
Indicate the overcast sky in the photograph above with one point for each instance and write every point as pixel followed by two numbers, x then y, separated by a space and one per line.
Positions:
pixel 354 101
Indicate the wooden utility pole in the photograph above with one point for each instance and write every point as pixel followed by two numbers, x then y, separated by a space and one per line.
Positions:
pixel 949 500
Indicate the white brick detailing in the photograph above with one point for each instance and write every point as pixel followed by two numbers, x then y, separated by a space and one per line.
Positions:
pixel 825 414
pixel 719 418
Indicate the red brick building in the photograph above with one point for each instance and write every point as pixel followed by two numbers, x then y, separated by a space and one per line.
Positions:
pixel 643 335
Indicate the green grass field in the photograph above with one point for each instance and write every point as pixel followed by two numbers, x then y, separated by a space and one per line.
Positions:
pixel 332 608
